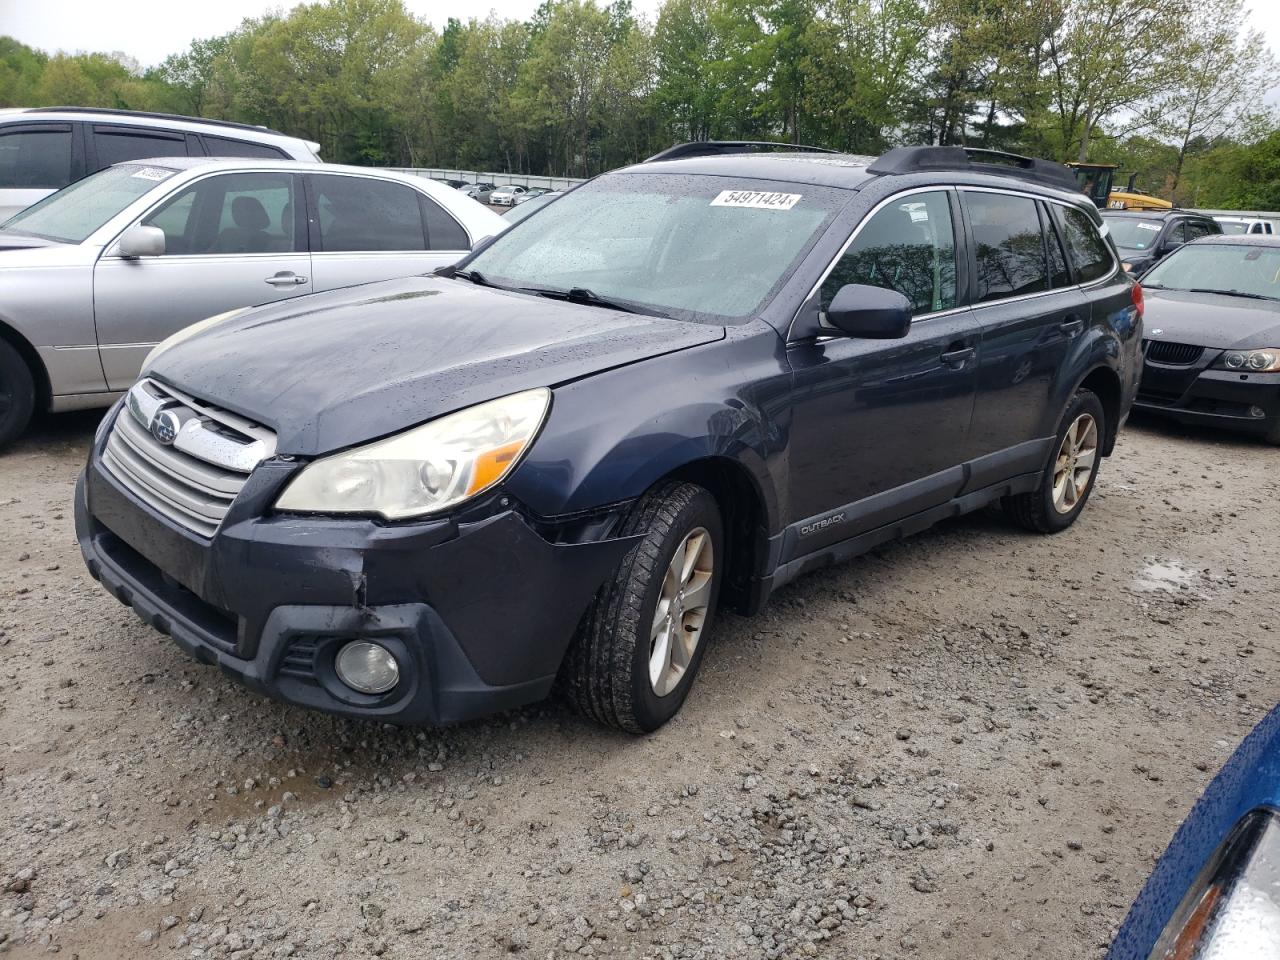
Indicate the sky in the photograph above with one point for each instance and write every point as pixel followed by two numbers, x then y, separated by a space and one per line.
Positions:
pixel 150 30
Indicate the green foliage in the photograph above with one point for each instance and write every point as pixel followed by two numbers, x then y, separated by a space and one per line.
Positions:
pixel 1164 87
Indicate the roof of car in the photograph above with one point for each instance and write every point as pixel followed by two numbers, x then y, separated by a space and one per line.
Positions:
pixel 254 163
pixel 1155 214
pixel 851 171
pixel 818 169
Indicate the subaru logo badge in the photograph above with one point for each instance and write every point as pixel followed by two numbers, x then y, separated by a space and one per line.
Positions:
pixel 165 426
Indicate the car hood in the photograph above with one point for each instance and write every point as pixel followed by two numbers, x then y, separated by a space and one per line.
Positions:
pixel 346 367
pixel 16 241
pixel 1211 319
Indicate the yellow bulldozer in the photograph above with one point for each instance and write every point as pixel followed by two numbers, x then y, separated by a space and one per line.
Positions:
pixel 1096 182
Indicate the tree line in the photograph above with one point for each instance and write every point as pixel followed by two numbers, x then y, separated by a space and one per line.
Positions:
pixel 1170 89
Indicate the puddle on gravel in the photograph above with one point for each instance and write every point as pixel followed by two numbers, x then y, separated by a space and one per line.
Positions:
pixel 1162 576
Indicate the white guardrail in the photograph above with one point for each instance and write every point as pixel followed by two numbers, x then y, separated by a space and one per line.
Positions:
pixel 481 176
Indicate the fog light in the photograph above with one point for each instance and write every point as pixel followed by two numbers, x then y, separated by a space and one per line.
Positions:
pixel 367 667
pixel 1257 412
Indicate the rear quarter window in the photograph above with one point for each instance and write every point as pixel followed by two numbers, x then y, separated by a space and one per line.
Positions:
pixel 227 147
pixel 1089 253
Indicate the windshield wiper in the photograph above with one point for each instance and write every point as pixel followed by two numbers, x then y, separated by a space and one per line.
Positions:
pixel 593 299
pixel 475 276
pixel 1232 293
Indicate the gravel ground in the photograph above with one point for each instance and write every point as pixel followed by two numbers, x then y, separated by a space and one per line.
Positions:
pixel 970 744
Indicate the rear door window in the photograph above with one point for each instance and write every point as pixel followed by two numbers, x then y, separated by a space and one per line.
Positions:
pixel 1059 275
pixel 36 157
pixel 1009 247
pixel 118 144
pixel 1089 253
pixel 908 246
pixel 360 214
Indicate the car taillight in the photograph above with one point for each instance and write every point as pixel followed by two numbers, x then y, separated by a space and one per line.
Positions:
pixel 1138 299
pixel 1231 911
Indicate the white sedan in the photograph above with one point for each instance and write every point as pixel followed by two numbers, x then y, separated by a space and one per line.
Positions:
pixel 507 196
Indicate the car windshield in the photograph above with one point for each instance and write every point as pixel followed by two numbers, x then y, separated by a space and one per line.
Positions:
pixel 1241 269
pixel 519 212
pixel 1233 227
pixel 1133 233
pixel 74 212
pixel 697 247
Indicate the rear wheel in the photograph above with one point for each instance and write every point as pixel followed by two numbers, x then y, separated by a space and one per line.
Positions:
pixel 17 393
pixel 1071 471
pixel 641 643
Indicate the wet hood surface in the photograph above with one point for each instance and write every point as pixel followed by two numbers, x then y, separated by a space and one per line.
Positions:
pixel 349 366
pixel 1211 319
pixel 16 241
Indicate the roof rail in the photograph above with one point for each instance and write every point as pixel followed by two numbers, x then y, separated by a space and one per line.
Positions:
pixel 710 148
pixel 928 159
pixel 156 116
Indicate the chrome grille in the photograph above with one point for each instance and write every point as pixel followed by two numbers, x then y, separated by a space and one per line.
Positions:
pixel 1173 354
pixel 193 479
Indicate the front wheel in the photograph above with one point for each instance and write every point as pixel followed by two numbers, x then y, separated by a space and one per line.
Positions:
pixel 641 643
pixel 17 393
pixel 1070 474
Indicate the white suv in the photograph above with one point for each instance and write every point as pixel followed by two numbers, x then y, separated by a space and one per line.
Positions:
pixel 45 148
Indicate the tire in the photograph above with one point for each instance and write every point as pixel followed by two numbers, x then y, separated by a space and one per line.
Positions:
pixel 1053 507
pixel 606 673
pixel 17 394
pixel 1273 435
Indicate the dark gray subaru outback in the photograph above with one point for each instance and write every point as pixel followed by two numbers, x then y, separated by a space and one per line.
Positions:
pixel 676 387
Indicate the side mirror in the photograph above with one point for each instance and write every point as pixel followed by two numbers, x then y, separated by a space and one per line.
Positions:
pixel 140 241
pixel 872 313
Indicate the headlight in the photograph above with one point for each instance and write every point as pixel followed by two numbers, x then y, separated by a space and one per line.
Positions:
pixel 427 469
pixel 1251 361
pixel 186 332
pixel 1232 910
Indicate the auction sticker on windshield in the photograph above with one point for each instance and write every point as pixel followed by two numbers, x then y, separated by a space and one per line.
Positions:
pixel 757 199
pixel 153 173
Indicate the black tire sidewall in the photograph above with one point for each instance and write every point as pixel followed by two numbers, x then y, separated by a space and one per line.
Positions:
pixel 652 711
pixel 1085 401
pixel 15 375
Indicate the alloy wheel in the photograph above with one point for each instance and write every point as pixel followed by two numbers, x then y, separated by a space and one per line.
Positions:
pixel 682 609
pixel 1077 458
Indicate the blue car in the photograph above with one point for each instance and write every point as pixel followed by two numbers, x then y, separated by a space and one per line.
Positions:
pixel 1215 893
pixel 676 388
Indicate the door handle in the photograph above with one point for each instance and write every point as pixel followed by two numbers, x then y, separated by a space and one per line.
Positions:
pixel 1072 325
pixel 286 278
pixel 957 355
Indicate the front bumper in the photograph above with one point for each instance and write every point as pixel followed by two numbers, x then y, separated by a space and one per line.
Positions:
pixel 1197 394
pixel 478 614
